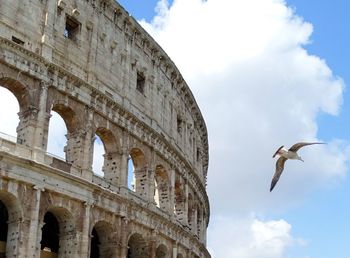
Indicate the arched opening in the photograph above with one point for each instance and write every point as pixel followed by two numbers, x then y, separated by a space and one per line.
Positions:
pixel 161 195
pixel 161 251
pixel 137 171
pixel 3 228
pixel 179 256
pixel 57 136
pixel 58 236
pixel 180 197
pixel 137 247
pixel 9 109
pixel 63 139
pixel 105 155
pixel 95 245
pixel 101 241
pixel 98 156
pixel 10 216
pixel 131 174
pixel 50 236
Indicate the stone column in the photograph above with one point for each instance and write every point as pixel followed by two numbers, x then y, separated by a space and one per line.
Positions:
pixel 34 234
pixel 46 39
pixel 26 126
pixel 141 186
pixel 123 252
pixel 185 215
pixel 151 185
pixel 171 193
pixel 124 168
pixel 174 253
pixel 41 130
pixel 153 244
pixel 110 168
pixel 85 238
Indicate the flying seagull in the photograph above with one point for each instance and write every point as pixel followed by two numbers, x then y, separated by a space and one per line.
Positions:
pixel 287 154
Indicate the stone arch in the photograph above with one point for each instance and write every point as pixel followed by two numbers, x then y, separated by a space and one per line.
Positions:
pixel 19 90
pixel 111 157
pixel 161 195
pixel 180 197
pixel 161 251
pixel 10 217
pixel 27 111
pixel 138 172
pixel 58 233
pixel 68 115
pixel 72 148
pixel 101 240
pixel 137 247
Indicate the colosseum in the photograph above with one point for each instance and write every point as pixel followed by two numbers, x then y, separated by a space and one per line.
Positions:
pixel 90 62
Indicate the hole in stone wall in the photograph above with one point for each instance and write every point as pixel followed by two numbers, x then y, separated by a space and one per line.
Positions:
pixel 56 139
pixel 9 109
pixel 98 158
pixel 17 41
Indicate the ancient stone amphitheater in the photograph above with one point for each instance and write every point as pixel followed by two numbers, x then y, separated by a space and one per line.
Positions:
pixel 93 64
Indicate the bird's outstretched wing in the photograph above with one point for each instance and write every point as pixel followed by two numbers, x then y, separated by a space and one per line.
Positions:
pixel 274 155
pixel 298 145
pixel 279 169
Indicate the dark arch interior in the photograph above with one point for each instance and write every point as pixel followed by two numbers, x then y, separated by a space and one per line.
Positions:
pixel 95 242
pixel 50 233
pixel 3 228
pixel 3 222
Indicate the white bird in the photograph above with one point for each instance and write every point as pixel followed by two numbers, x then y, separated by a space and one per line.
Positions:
pixel 284 155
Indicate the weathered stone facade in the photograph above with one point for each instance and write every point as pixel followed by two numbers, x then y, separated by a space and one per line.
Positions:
pixel 91 63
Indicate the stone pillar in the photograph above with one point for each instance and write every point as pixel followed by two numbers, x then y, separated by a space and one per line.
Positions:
pixel 174 253
pixel 153 244
pixel 34 234
pixel 14 244
pixel 124 168
pixel 85 238
pixel 171 192
pixel 26 127
pixel 46 39
pixel 68 245
pixel 42 125
pixel 141 185
pixel 123 252
pixel 186 205
pixel 110 168
pixel 151 185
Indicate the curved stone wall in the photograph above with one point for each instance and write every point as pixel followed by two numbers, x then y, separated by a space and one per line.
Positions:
pixel 91 63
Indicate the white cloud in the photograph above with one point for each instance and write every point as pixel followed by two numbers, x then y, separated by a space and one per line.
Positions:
pixel 251 238
pixel 245 63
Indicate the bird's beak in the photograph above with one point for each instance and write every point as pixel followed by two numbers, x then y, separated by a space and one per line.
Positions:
pixel 301 159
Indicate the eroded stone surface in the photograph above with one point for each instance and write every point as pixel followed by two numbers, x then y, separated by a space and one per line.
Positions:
pixel 91 63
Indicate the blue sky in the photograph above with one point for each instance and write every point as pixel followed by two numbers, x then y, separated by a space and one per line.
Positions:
pixel 320 219
pixel 277 72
